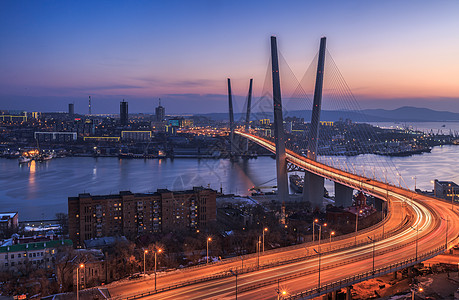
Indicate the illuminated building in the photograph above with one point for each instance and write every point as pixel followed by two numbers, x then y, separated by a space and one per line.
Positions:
pixel 30 252
pixel 131 214
pixel 447 190
pixel 160 112
pixel 124 114
pixel 138 136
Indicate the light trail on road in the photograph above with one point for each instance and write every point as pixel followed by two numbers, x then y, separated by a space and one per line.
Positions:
pixel 424 216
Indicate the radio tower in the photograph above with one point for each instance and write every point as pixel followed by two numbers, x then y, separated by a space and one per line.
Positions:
pixel 89 106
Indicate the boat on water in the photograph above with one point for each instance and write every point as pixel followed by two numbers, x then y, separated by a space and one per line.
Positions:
pixel 24 159
pixel 296 183
pixel 45 157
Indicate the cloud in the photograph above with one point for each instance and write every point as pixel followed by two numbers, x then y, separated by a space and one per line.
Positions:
pixel 189 83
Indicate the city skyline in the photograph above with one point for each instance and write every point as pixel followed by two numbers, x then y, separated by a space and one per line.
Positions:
pixel 391 54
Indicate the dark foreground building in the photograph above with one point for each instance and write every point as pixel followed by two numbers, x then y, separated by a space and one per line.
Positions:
pixel 131 214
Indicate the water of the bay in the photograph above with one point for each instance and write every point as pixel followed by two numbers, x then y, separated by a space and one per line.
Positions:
pixel 40 190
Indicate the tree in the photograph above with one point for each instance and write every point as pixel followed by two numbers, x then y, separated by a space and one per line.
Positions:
pixel 63 220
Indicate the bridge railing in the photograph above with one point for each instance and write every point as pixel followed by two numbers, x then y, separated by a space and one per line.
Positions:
pixel 325 267
pixel 337 285
pixel 254 267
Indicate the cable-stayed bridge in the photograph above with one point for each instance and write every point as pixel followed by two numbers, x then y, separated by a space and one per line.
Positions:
pixel 417 227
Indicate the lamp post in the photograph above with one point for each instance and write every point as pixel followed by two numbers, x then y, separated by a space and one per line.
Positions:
pixel 81 266
pixel 264 230
pixel 320 232
pixel 452 198
pixel 414 182
pixel 446 232
pixel 279 292
pixel 258 252
pixel 357 225
pixel 318 281
pixel 373 241
pixel 417 238
pixel 144 252
pixel 331 234
pixel 452 201
pixel 313 228
pixel 209 239
pixel 156 252
pixel 235 274
pixel 420 289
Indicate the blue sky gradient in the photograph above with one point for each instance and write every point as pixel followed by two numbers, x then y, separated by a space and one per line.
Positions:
pixel 391 53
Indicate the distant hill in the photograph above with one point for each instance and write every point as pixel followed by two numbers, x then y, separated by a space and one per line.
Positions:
pixel 413 114
pixel 402 114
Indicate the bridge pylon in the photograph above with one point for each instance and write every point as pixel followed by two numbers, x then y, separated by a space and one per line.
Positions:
pixel 231 118
pixel 279 136
pixel 313 188
pixel 247 115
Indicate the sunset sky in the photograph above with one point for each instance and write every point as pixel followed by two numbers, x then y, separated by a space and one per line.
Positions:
pixel 391 53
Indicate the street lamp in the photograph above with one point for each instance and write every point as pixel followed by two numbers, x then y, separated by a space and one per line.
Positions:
pixel 279 292
pixel 373 241
pixel 258 252
pixel 209 239
pixel 357 224
pixel 420 289
pixel 144 252
pixel 235 274
pixel 331 234
pixel 156 252
pixel 320 232
pixel 414 182
pixel 81 266
pixel 313 227
pixel 417 238
pixel 446 232
pixel 264 230
pixel 318 281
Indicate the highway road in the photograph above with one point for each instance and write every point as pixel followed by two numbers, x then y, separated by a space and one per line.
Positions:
pixel 416 224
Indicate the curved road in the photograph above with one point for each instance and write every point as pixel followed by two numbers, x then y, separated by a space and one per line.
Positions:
pixel 417 224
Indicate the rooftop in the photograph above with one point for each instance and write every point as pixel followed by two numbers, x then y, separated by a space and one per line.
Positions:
pixel 7 215
pixel 126 193
pixel 35 246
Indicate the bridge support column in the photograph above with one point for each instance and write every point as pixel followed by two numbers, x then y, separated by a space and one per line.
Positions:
pixel 309 179
pixel 313 190
pixel 343 195
pixel 348 293
pixel 379 204
pixel 279 138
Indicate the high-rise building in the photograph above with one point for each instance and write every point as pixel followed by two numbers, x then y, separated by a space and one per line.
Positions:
pixel 447 190
pixel 131 214
pixel 71 109
pixel 124 113
pixel 160 112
